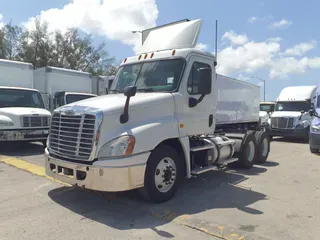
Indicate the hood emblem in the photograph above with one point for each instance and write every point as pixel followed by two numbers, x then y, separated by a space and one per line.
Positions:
pixel 69 112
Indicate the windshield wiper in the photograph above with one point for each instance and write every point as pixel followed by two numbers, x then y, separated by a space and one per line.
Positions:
pixel 115 91
pixel 145 90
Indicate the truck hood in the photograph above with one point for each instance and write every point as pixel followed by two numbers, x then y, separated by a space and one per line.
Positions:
pixel 114 103
pixel 263 113
pixel 286 114
pixel 20 111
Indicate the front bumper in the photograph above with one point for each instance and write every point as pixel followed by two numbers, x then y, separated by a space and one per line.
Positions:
pixel 314 140
pixel 38 134
pixel 107 175
pixel 296 132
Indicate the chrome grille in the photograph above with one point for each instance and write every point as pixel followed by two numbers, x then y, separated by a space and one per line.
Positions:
pixel 282 122
pixel 72 135
pixel 35 121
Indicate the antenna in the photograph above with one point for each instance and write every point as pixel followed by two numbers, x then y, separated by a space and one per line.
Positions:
pixel 216 45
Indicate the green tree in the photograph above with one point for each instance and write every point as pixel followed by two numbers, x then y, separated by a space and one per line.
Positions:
pixel 11 40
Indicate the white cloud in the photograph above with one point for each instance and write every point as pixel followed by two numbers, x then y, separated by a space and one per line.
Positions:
pixel 236 39
pixel 252 56
pixel 113 19
pixel 253 19
pixel 1 21
pixel 202 47
pixel 247 58
pixel 301 48
pixel 274 39
pixel 280 24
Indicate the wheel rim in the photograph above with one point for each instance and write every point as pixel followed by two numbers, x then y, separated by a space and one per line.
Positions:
pixel 165 175
pixel 265 147
pixel 250 151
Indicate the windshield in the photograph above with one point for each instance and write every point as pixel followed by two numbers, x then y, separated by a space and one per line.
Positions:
pixel 292 106
pixel 267 107
pixel 156 76
pixel 20 98
pixel 71 98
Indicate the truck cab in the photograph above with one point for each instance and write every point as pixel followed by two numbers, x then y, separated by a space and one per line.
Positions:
pixel 266 109
pixel 158 124
pixel 291 116
pixel 23 116
pixel 63 98
pixel 314 143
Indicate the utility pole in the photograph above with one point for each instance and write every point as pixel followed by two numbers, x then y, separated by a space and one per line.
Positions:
pixel 264 87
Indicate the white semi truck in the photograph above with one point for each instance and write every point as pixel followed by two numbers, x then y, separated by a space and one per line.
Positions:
pixel 291 116
pixel 23 116
pixel 266 109
pixel 168 116
pixel 60 86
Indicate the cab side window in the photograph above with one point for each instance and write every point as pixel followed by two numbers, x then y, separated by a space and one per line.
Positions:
pixel 193 80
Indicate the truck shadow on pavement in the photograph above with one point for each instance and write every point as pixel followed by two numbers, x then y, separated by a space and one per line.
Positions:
pixel 289 140
pixel 125 210
pixel 21 149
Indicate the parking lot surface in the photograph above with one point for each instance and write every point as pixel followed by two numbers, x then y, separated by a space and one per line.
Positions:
pixel 276 200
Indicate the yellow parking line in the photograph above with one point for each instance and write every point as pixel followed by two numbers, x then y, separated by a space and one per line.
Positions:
pixel 29 167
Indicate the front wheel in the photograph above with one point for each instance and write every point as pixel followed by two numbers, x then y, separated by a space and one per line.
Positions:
pixel 163 175
pixel 314 150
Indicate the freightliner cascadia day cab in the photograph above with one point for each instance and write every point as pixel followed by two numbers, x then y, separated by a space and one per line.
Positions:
pixel 314 137
pixel 167 117
pixel 266 109
pixel 23 116
pixel 291 116
pixel 60 86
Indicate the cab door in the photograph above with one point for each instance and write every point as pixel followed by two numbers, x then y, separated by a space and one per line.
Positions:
pixel 197 119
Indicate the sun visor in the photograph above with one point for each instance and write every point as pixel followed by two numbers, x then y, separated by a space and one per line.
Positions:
pixel 183 34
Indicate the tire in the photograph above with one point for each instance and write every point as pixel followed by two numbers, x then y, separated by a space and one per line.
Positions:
pixel 314 150
pixel 248 153
pixel 263 146
pixel 158 191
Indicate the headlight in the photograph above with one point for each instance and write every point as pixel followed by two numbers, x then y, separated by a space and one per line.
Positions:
pixel 303 124
pixel 6 123
pixel 269 121
pixel 315 128
pixel 118 147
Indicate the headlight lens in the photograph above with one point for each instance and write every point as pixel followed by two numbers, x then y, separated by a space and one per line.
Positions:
pixel 118 147
pixel 303 124
pixel 315 128
pixel 6 123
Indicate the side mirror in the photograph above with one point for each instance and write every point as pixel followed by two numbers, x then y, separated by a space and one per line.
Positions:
pixel 311 112
pixel 205 81
pixel 130 91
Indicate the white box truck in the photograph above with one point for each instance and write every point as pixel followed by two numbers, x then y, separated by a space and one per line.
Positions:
pixel 23 116
pixel 102 84
pixel 291 116
pixel 60 86
pixel 167 117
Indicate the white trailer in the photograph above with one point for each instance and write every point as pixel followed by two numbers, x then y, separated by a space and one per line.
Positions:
pixel 60 86
pixel 291 116
pixel 168 117
pixel 102 84
pixel 23 116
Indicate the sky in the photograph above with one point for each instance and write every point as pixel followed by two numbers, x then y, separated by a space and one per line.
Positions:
pixel 277 41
